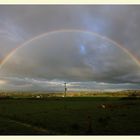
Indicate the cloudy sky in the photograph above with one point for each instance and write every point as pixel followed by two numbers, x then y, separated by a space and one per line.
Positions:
pixel 88 46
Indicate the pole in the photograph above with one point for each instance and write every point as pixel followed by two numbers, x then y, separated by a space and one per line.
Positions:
pixel 65 84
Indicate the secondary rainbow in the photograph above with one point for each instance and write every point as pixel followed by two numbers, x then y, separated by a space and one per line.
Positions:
pixel 130 54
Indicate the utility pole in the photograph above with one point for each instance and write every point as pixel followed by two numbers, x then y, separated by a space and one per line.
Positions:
pixel 65 85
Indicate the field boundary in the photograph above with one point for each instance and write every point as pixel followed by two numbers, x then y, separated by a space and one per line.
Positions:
pixel 36 128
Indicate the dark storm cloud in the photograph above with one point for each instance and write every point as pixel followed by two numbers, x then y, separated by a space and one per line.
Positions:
pixel 82 59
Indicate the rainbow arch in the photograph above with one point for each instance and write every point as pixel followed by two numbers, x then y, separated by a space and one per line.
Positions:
pixel 132 56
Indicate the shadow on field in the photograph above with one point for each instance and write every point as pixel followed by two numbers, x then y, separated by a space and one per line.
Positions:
pixel 70 116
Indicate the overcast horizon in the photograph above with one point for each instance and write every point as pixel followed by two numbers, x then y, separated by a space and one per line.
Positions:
pixel 90 47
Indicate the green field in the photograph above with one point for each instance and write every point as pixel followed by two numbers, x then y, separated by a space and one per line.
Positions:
pixel 70 116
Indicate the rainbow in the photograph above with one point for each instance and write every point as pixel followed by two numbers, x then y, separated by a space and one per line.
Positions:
pixel 130 54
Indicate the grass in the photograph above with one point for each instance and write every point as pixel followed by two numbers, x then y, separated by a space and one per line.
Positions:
pixel 70 116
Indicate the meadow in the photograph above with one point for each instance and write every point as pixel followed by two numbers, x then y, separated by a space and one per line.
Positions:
pixel 27 115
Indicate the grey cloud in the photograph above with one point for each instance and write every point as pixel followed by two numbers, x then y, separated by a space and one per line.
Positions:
pixel 28 84
pixel 58 56
pixel 71 57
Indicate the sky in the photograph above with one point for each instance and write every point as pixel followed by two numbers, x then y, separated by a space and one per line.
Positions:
pixel 91 47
